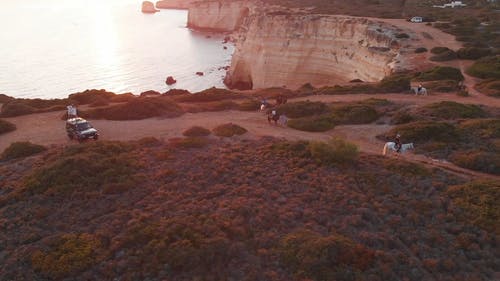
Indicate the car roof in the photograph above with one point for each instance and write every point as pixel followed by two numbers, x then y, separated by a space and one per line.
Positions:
pixel 76 120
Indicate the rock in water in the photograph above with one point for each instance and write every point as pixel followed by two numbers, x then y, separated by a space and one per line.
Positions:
pixel 148 7
pixel 170 80
pixel 199 73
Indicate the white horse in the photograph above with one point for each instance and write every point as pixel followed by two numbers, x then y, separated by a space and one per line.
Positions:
pixel 422 91
pixel 392 146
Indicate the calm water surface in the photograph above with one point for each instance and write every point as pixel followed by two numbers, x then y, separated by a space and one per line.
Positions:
pixel 52 48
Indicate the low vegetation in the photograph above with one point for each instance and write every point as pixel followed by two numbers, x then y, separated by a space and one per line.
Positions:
pixel 189 142
pixel 196 131
pixel 302 109
pixel 228 130
pixel 21 150
pixel 447 110
pixel 335 151
pixel 91 96
pixel 473 53
pixel 486 67
pixel 490 87
pixel 6 126
pixel 441 73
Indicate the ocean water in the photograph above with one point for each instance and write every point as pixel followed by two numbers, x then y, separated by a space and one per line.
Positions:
pixel 52 48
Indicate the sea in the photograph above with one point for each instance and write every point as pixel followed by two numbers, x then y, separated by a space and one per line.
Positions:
pixel 53 48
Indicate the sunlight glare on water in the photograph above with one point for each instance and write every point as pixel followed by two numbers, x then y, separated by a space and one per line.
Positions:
pixel 52 48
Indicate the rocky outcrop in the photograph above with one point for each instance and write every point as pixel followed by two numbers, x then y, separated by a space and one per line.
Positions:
pixel 277 49
pixel 175 4
pixel 148 7
pixel 218 16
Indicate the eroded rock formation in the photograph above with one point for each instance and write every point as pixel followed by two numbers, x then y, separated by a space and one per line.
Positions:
pixel 276 47
pixel 218 16
pixel 148 7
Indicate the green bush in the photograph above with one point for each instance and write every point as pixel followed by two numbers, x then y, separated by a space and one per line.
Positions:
pixel 196 131
pixel 21 150
pixel 486 67
pixel 444 56
pixel 473 53
pixel 89 96
pixel 453 110
pixel 402 35
pixel 481 128
pixel 302 109
pixel 439 50
pixel 228 130
pixel 355 114
pixel 490 87
pixel 424 131
pixel 316 123
pixel 420 50
pixel 395 83
pixel 249 105
pixel 100 166
pixel 488 162
pixel 441 73
pixel 310 255
pixel 6 126
pixel 66 257
pixel 189 142
pixel 479 202
pixel 335 151
pixel 136 109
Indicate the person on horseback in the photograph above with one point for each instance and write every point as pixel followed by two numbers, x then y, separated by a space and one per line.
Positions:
pixel 419 88
pixel 397 142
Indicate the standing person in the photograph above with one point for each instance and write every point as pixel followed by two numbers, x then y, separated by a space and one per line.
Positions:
pixel 397 142
pixel 71 111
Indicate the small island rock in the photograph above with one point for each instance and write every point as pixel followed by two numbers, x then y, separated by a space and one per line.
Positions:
pixel 170 80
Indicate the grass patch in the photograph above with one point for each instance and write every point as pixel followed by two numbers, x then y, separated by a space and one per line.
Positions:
pixel 189 142
pixel 441 73
pixel 479 201
pixel 335 151
pixel 316 123
pixel 449 110
pixel 310 255
pixel 67 256
pixel 302 109
pixel 196 131
pixel 6 126
pixel 490 87
pixel 485 68
pixel 228 130
pixel 102 166
pixel 136 109
pixel 21 150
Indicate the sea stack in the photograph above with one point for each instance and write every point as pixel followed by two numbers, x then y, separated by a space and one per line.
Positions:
pixel 170 80
pixel 148 7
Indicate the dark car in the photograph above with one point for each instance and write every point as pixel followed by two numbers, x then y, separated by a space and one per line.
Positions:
pixel 80 129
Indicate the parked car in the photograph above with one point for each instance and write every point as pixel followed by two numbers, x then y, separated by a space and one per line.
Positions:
pixel 80 129
pixel 417 19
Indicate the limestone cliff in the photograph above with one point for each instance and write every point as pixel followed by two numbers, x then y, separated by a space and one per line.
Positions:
pixel 291 50
pixel 218 16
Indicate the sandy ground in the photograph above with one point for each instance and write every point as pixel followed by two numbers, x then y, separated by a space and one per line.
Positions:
pixel 48 128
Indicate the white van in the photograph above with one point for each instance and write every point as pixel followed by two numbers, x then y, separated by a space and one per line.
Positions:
pixel 417 19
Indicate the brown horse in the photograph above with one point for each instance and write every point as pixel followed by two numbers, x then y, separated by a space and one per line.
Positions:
pixel 273 116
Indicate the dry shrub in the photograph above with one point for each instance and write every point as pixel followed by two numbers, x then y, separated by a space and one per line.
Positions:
pixel 228 130
pixel 490 87
pixel 441 73
pixel 439 50
pixel 355 114
pixel 473 53
pixel 249 105
pixel 294 148
pixel 302 109
pixel 335 151
pixel 402 117
pixel 90 96
pixel 136 109
pixel 316 123
pixel 420 50
pixel 196 131
pixel 190 142
pixel 479 201
pixel 478 160
pixel 424 131
pixel 452 110
pixel 21 150
pixel 86 167
pixel 69 255
pixel 442 85
pixel 481 128
pixel 149 142
pixel 486 67
pixel 208 95
pixel 444 56
pixel 308 254
pixel 6 126
pixel 395 83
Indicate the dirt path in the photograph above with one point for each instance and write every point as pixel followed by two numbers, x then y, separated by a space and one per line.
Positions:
pixel 48 128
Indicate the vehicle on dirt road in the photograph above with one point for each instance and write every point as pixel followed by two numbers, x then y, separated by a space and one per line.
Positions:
pixel 80 129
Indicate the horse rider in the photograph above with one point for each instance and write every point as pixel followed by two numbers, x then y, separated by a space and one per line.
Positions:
pixel 419 88
pixel 397 142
